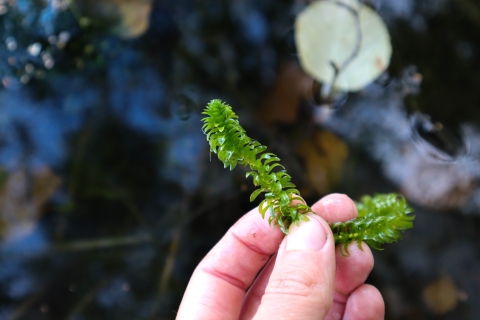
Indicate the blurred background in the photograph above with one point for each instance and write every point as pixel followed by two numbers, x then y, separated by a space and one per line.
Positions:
pixel 108 196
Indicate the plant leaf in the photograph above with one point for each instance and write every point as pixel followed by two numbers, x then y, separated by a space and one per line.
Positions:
pixel 255 194
pixel 327 35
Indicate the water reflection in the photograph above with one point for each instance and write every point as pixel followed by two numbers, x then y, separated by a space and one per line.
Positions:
pixel 289 42
pixel 182 107
pixel 107 195
pixel 437 140
pixel 136 93
pixel 412 150
pixel 33 132
pixel 324 96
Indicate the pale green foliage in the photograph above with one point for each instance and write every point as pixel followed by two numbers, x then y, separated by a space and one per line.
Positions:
pixel 380 219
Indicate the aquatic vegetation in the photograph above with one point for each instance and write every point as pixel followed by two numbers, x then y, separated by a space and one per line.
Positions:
pixel 381 218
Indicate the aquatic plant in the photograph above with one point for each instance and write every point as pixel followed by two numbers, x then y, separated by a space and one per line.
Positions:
pixel 381 219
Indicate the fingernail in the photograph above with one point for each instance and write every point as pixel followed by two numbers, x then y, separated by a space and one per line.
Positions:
pixel 309 235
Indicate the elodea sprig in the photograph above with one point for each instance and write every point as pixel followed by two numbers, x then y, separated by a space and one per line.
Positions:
pixel 229 141
pixel 380 220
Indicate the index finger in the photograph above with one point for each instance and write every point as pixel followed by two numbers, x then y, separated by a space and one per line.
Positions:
pixel 336 207
pixel 219 283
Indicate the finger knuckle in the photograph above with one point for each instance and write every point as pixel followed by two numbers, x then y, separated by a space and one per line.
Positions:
pixel 298 282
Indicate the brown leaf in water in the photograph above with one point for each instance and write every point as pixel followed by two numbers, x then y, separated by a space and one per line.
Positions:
pixel 22 196
pixel 281 105
pixel 135 17
pixel 442 296
pixel 324 155
pixel 132 16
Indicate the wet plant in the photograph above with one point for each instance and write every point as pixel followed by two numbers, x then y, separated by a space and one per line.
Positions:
pixel 381 219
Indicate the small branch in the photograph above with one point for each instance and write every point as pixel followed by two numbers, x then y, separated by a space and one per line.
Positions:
pixel 101 243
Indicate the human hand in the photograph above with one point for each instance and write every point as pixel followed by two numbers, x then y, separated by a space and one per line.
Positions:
pixel 306 278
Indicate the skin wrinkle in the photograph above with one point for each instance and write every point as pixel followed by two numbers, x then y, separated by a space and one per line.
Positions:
pixel 221 257
pixel 261 229
pixel 340 298
pixel 297 275
pixel 257 290
pixel 236 282
pixel 251 246
pixel 206 305
pixel 303 283
pixel 217 309
pixel 302 307
pixel 285 282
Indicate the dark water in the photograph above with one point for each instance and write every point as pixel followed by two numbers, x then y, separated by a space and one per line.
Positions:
pixel 108 199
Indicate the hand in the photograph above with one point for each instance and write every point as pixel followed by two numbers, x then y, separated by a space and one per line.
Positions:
pixel 304 276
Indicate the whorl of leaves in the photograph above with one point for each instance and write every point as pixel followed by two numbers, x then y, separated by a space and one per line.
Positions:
pixel 229 141
pixel 381 219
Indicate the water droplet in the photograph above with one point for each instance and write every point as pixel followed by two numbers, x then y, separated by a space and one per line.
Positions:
pixel 29 68
pixel 64 36
pixel 34 49
pixel 49 63
pixel 12 61
pixel 438 141
pixel 11 43
pixel 25 79
pixel 182 107
pixel 63 39
pixel 52 39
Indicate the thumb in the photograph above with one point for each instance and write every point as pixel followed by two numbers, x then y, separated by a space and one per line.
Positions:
pixel 301 285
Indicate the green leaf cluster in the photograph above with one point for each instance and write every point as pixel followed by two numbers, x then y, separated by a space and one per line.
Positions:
pixel 229 141
pixel 381 219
